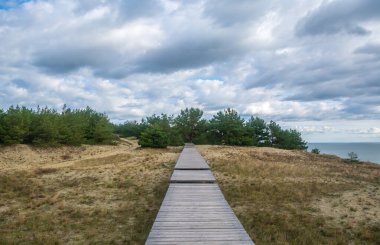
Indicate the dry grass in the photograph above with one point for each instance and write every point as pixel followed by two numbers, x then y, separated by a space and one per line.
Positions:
pixel 293 197
pixel 111 194
pixel 81 195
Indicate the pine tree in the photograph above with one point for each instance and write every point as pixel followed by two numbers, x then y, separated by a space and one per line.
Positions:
pixel 189 123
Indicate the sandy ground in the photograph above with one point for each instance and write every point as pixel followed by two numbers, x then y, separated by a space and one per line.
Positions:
pixel 299 190
pixel 24 157
pixel 88 194
pixel 111 194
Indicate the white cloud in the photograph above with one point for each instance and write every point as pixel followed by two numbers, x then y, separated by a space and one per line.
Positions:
pixel 135 58
pixel 374 131
pixel 337 130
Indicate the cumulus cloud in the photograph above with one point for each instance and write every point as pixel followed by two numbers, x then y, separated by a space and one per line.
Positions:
pixel 227 13
pixel 374 130
pixel 283 60
pixel 337 16
pixel 337 130
pixel 372 51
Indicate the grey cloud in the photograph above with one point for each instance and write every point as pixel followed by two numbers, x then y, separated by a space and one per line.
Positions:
pixel 280 72
pixel 87 5
pixel 76 44
pixel 186 53
pixel 322 77
pixel 215 107
pixel 190 51
pixel 21 83
pixel 133 9
pixel 103 60
pixel 369 49
pixel 64 59
pixel 125 10
pixel 359 111
pixel 372 50
pixel 266 79
pixel 115 71
pixel 228 13
pixel 187 47
pixel 339 16
pixel 353 85
pixel 316 93
pixel 209 40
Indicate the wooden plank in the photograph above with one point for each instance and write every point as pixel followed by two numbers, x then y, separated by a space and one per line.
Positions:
pixel 191 159
pixel 192 176
pixel 189 145
pixel 194 210
pixel 196 214
pixel 200 243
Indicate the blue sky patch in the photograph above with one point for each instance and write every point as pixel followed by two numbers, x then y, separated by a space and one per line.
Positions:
pixel 9 4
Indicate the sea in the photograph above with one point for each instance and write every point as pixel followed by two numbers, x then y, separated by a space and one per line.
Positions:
pixel 366 151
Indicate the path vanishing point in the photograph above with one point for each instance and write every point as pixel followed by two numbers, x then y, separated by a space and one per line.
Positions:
pixel 194 210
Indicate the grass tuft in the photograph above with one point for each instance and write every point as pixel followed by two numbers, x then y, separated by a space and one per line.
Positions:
pixel 99 196
pixel 294 197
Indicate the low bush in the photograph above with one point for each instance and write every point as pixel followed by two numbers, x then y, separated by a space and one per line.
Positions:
pixel 315 151
pixel 353 157
pixel 154 137
pixel 48 127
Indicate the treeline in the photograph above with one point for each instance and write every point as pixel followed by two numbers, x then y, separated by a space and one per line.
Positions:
pixel 226 127
pixel 46 126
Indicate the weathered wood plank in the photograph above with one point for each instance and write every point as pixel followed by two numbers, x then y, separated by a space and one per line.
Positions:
pixel 201 243
pixel 192 176
pixel 191 159
pixel 195 212
pixel 187 215
pixel 189 145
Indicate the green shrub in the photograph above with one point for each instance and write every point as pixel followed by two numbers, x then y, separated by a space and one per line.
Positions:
pixel 47 127
pixel 175 139
pixel 289 139
pixel 154 137
pixel 130 128
pixel 189 124
pixel 15 124
pixel 353 157
pixel 227 127
pixel 315 151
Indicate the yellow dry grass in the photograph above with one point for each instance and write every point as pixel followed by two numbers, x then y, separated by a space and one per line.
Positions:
pixel 81 195
pixel 111 194
pixel 294 197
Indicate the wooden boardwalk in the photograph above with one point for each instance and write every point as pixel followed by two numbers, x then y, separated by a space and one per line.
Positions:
pixel 190 159
pixel 194 210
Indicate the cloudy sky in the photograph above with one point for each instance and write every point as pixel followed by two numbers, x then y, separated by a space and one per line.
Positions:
pixel 311 65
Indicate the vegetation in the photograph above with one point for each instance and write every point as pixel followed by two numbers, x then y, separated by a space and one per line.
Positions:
pixel 260 131
pixel 165 124
pixel 315 151
pixel 353 157
pixel 93 194
pixel 130 129
pixel 46 126
pixel 294 197
pixel 190 124
pixel 154 137
pixel 225 128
